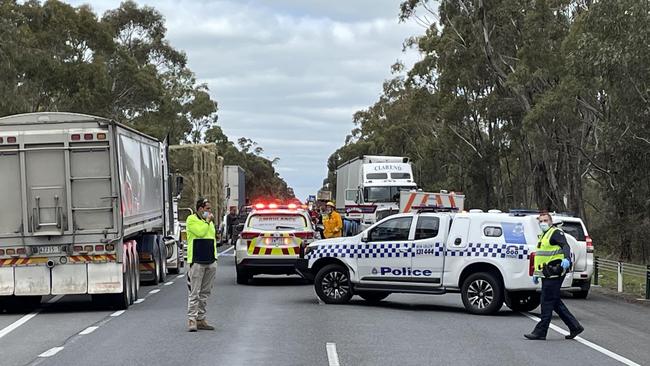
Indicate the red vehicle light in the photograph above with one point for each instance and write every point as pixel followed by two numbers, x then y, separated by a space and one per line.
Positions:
pixel 11 251
pixel 273 205
pixel 304 235
pixel 11 140
pixel 88 136
pixel 260 206
pixel 78 248
pixel 99 248
pixel 590 244
pixel 2 252
pixel 292 206
pixel 531 264
pixel 21 251
pixel 75 137
pixel 247 236
pixel 1 140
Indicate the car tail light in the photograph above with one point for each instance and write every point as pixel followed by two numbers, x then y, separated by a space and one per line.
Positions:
pixel 99 248
pixel 101 136
pixel 75 137
pixel 531 264
pixel 305 235
pixel 88 248
pixel 247 236
pixel 21 251
pixel 11 140
pixel 590 244
pixel 2 252
pixel 11 252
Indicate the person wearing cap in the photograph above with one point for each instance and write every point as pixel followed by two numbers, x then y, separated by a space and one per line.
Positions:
pixel 202 259
pixel 552 261
pixel 332 222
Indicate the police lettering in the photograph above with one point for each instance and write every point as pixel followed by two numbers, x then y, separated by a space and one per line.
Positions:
pixel 405 271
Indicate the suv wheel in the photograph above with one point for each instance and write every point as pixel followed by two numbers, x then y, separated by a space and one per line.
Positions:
pixel 482 294
pixel 332 284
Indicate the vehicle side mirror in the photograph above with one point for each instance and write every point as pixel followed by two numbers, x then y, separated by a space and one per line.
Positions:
pixel 178 186
pixel 364 237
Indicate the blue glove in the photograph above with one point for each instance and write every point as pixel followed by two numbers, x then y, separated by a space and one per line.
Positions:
pixel 566 264
pixel 536 280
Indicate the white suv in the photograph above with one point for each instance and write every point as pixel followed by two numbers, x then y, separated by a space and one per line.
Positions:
pixel 271 241
pixel 583 254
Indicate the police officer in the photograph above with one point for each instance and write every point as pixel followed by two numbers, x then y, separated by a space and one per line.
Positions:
pixel 552 260
pixel 202 258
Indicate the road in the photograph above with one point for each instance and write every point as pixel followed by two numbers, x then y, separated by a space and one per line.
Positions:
pixel 279 321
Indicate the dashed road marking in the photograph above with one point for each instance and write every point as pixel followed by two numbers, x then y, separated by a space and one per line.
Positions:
pixel 332 355
pixel 118 313
pixel 589 344
pixel 154 291
pixel 51 352
pixel 13 326
pixel 169 283
pixel 225 251
pixel 88 330
pixel 138 301
pixel 180 276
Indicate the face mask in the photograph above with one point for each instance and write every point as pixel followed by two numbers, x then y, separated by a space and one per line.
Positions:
pixel 544 226
pixel 206 214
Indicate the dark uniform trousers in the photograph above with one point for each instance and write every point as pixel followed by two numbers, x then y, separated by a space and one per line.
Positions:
pixel 551 301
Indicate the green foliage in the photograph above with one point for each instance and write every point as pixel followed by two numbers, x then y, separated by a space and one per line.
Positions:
pixel 521 103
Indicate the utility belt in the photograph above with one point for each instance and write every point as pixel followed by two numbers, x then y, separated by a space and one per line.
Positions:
pixel 553 269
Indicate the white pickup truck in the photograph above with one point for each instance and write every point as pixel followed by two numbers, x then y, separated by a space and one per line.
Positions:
pixel 487 257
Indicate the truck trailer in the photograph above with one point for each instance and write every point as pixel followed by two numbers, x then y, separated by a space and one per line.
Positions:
pixel 84 199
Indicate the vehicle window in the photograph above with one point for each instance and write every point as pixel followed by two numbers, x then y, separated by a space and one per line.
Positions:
pixel 427 227
pixel 400 175
pixel 277 222
pixel 391 230
pixel 493 231
pixel 574 229
pixel 376 176
pixel 351 195
pixel 383 194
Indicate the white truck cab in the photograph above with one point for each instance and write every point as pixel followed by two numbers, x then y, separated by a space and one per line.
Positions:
pixel 487 257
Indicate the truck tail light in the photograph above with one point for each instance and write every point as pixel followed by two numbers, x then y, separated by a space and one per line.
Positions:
pixel 2 252
pixel 246 235
pixel 21 251
pixel 304 235
pixel 99 248
pixel 11 251
pixel 11 140
pixel 1 140
pixel 101 136
pixel 75 137
pixel 88 248
pixel 531 264
pixel 88 136
pixel 590 244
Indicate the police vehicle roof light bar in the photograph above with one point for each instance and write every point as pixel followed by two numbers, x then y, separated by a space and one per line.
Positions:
pixel 523 211
pixel 421 209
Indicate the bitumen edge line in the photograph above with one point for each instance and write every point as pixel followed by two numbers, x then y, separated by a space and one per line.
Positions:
pixel 332 355
pixel 587 343
pixel 24 319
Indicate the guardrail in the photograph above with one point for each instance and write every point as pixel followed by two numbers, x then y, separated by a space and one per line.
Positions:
pixel 622 269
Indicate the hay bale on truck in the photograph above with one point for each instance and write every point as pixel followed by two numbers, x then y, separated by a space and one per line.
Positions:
pixel 202 170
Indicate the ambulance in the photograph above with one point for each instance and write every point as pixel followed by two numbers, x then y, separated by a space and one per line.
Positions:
pixel 487 257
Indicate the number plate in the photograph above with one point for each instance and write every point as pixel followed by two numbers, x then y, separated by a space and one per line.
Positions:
pixel 51 249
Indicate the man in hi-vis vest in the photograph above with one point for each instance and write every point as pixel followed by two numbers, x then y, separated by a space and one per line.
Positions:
pixel 202 258
pixel 552 261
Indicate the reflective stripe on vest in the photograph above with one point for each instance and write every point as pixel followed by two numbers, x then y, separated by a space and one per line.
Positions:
pixel 547 252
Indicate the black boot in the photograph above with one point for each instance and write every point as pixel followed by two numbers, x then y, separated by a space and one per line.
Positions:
pixel 574 333
pixel 535 337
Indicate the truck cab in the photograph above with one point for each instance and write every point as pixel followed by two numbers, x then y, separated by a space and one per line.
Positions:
pixel 486 257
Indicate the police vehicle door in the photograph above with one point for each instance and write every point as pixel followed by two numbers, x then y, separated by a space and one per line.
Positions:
pixel 429 248
pixel 385 254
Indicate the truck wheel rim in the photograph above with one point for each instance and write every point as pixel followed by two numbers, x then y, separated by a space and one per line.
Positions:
pixel 335 285
pixel 480 294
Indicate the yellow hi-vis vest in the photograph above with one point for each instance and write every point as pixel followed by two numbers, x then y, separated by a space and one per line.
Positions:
pixel 546 252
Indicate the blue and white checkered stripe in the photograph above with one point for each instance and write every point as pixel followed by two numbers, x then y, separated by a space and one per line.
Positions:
pixel 512 251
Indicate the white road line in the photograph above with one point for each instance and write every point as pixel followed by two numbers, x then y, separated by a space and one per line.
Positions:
pixel 589 344
pixel 13 326
pixel 138 301
pixel 154 291
pixel 88 330
pixel 332 355
pixel 118 313
pixel 51 352
pixel 180 276
pixel 169 283
pixel 225 251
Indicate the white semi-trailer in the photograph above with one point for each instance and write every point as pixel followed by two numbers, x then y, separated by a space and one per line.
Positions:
pixel 368 188
pixel 82 197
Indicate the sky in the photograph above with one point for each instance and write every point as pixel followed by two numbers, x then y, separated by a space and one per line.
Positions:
pixel 288 74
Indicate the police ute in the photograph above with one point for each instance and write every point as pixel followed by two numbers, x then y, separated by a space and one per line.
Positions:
pixel 271 240
pixel 487 257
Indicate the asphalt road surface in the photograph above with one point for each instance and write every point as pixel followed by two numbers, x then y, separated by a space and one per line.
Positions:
pixel 278 320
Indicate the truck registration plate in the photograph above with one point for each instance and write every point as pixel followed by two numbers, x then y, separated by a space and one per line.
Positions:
pixel 50 249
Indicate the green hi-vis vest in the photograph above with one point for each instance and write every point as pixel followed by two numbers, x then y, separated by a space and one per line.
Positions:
pixel 546 252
